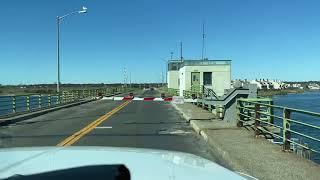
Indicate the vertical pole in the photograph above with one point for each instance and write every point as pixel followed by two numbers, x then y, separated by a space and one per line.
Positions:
pixel 271 112
pixel 166 64
pixel 239 117
pixel 285 133
pixel 203 36
pixel 49 100
pixel 162 77
pixel 14 104
pixel 40 100
pixel 130 79
pixel 63 97
pixel 58 53
pixel 257 119
pixel 58 99
pixel 28 103
pixel 181 57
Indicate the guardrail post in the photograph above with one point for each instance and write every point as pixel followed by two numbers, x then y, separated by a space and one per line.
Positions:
pixel 57 100
pixel 14 104
pixel 286 126
pixel 40 100
pixel 239 117
pixel 271 118
pixel 62 97
pixel 49 100
pixel 257 119
pixel 69 96
pixel 28 103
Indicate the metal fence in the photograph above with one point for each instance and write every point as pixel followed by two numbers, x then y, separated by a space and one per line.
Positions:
pixel 17 104
pixel 196 91
pixel 292 127
pixel 173 92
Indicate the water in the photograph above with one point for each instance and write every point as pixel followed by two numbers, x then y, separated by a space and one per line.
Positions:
pixel 309 101
pixel 21 103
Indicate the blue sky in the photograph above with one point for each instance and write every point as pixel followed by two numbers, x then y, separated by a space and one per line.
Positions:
pixel 264 39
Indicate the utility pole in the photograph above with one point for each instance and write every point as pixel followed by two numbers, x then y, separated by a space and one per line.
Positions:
pixel 203 38
pixel 130 78
pixel 181 57
pixel 125 79
pixel 58 53
pixel 162 82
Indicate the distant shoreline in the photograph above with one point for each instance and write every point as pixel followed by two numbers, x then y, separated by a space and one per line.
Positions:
pixel 270 93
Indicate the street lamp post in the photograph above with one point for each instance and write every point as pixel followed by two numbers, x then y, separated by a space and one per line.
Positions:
pixel 59 19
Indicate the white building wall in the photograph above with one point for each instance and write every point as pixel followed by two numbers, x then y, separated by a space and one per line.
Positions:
pixel 221 77
pixel 172 79
pixel 182 79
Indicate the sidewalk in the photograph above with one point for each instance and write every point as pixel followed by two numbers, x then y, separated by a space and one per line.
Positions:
pixel 237 148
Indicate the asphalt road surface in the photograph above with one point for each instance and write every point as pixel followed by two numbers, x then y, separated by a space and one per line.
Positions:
pixel 142 124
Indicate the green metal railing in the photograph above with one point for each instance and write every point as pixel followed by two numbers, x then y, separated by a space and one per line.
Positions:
pixel 259 114
pixel 173 92
pixel 194 92
pixel 18 104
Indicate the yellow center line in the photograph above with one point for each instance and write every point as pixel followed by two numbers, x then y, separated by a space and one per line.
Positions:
pixel 76 136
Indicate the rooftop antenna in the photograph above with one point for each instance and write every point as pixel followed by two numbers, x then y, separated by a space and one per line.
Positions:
pixel 203 38
pixel 171 55
pixel 181 57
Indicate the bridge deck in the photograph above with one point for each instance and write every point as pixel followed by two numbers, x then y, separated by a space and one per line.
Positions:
pixel 138 124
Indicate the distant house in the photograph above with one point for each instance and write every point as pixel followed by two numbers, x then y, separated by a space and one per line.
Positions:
pixel 268 84
pixel 264 85
pixel 313 86
pixel 276 84
pixel 256 82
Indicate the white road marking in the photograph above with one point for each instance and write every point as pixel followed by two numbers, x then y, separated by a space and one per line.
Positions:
pixel 108 98
pixel 103 127
pixel 158 99
pixel 174 132
pixel 137 99
pixel 190 100
pixel 117 98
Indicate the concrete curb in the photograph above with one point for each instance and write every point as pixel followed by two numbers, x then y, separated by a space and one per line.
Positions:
pixel 222 156
pixel 194 125
pixel 18 118
pixel 186 117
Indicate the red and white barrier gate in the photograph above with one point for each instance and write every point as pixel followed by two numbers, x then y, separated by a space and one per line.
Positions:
pixel 181 99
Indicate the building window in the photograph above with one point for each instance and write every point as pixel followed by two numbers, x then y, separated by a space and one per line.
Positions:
pixel 174 67
pixel 207 78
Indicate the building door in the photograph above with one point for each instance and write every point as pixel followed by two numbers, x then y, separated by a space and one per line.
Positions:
pixel 195 79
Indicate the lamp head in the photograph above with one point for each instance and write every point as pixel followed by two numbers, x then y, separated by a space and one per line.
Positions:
pixel 84 10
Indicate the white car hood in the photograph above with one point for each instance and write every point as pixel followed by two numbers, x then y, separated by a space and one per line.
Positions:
pixel 142 163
